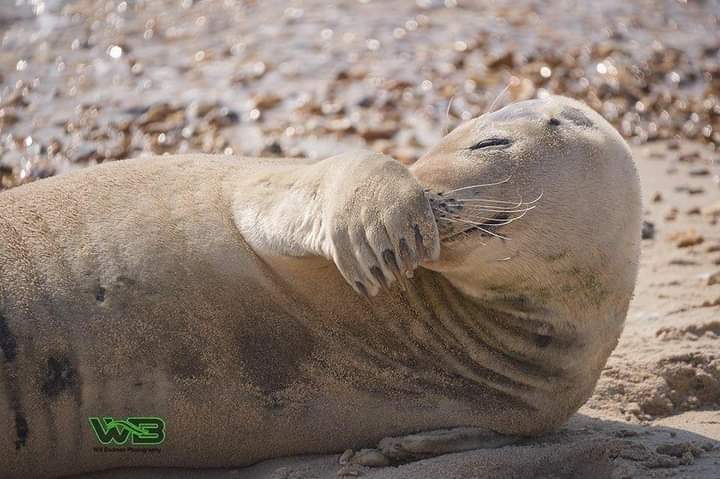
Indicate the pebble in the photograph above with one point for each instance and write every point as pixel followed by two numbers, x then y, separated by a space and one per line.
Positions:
pixel 8 117
pixel 680 449
pixel 345 457
pixel 383 131
pixel 272 149
pixel 687 238
pixel 711 303
pixel 16 99
pixel 671 214
pixel 699 171
pixel 648 230
pixel 690 190
pixel 691 157
pixel 370 458
pixel 348 471
pixel 155 114
pixel 83 153
pixel 712 210
pixel 267 101
pixel 683 262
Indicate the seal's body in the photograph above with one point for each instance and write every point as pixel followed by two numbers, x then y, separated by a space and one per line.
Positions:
pixel 221 294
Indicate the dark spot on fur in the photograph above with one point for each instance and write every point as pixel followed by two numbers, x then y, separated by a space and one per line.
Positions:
pixel 187 364
pixel 100 294
pixel 576 116
pixel 8 343
pixel 361 287
pixel 553 122
pixel 21 430
pixel 542 341
pixel 59 377
pixel 9 378
pixel 272 350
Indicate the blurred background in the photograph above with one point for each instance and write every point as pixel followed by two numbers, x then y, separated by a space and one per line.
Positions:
pixel 83 82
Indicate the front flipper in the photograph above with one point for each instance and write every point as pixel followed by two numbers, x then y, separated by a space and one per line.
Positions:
pixel 364 211
pixel 378 222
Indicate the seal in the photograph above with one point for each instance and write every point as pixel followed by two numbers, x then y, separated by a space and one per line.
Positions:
pixel 274 307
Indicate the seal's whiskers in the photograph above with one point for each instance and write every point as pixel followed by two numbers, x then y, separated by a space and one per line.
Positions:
pixel 445 127
pixel 480 227
pixel 493 200
pixel 490 200
pixel 497 209
pixel 500 95
pixel 497 221
pixel 463 233
pixel 475 225
pixel 461 211
pixel 464 188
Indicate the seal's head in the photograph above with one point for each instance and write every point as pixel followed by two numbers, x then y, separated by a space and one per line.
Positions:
pixel 538 205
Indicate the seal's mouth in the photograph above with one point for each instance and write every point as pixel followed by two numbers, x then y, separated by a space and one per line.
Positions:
pixel 458 219
pixel 462 214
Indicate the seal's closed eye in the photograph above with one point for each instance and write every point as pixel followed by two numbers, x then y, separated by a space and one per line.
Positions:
pixel 490 142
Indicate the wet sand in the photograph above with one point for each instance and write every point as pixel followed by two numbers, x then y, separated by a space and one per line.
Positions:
pixel 87 82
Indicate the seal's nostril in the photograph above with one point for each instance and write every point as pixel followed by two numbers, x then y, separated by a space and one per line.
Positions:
pixel 553 122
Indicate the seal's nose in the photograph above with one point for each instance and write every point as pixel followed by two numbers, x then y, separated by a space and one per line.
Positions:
pixel 434 172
